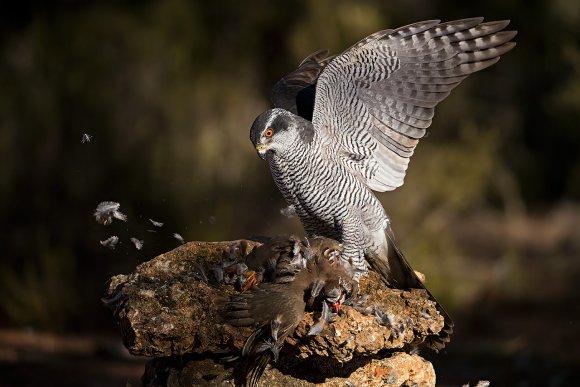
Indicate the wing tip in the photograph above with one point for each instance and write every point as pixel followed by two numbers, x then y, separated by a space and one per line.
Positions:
pixel 470 21
pixel 499 24
pixel 507 47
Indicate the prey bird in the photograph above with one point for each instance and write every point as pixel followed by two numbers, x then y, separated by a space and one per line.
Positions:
pixel 275 307
pixel 345 126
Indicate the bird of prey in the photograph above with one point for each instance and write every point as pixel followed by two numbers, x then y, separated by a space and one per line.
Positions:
pixel 345 126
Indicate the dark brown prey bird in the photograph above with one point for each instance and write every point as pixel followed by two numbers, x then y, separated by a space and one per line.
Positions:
pixel 276 308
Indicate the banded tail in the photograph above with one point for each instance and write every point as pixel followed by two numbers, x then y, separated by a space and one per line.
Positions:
pixel 396 271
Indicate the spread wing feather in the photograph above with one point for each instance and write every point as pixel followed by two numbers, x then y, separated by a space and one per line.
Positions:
pixel 295 92
pixel 377 99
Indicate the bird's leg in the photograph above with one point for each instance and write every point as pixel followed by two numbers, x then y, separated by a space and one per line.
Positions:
pixel 274 329
pixel 325 318
pixel 353 240
pixel 272 342
pixel 353 261
pixel 317 286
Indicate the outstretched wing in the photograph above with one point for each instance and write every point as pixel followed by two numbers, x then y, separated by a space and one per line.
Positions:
pixel 377 99
pixel 295 92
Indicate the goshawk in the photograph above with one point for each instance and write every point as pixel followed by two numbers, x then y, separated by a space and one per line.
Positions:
pixel 343 127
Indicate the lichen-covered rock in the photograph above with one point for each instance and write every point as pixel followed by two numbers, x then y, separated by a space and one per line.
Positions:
pixel 172 306
pixel 398 370
pixel 168 305
pixel 356 334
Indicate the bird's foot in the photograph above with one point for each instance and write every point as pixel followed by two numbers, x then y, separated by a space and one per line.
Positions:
pixel 328 315
pixel 359 272
pixel 325 318
pixel 250 282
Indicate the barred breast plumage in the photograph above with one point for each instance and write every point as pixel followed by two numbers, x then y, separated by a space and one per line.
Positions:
pixel 369 106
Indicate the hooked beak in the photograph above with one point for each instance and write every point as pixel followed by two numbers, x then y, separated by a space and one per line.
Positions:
pixel 262 149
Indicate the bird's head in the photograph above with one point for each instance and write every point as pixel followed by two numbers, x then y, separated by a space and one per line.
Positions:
pixel 277 130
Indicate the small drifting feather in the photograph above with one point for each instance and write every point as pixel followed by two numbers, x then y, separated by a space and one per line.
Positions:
pixel 481 383
pixel 289 212
pixel 138 243
pixel 110 242
pixel 106 211
pixel 156 224
pixel 179 238
pixel 86 138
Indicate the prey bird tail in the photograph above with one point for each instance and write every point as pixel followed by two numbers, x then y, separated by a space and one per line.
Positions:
pixel 396 271
pixel 259 356
pixel 256 368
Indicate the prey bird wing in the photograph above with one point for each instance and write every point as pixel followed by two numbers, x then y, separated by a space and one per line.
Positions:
pixel 377 99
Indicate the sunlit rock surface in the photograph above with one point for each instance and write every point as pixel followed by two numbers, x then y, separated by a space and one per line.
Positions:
pixel 170 308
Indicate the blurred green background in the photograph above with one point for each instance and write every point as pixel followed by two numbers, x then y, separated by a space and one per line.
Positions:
pixel 168 91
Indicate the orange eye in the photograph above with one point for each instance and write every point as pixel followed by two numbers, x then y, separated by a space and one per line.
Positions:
pixel 269 132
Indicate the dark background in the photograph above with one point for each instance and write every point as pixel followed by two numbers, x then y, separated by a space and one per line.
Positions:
pixel 168 91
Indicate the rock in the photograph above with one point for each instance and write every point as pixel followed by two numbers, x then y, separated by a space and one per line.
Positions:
pixel 400 369
pixel 165 307
pixel 170 307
